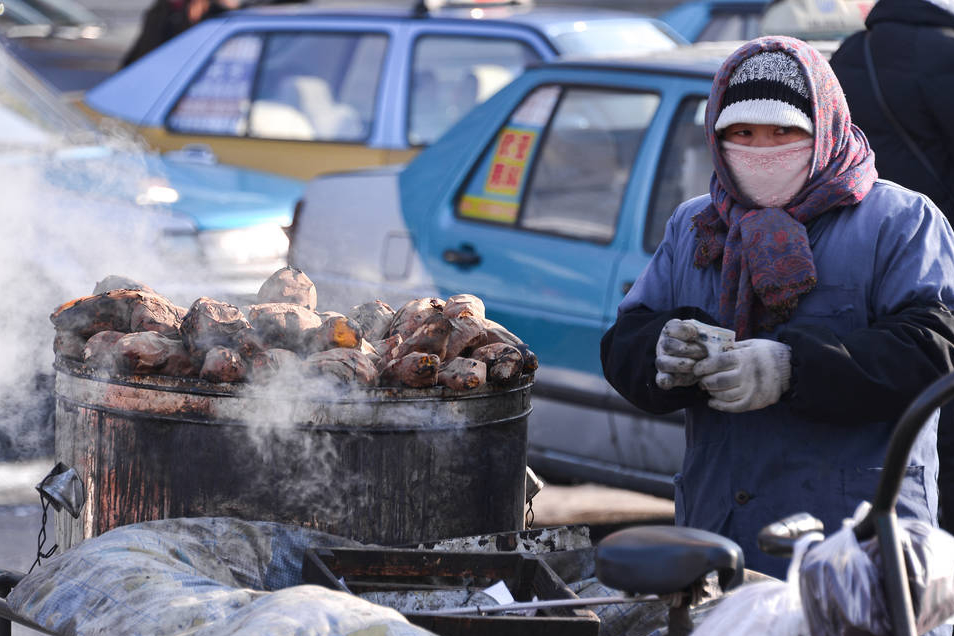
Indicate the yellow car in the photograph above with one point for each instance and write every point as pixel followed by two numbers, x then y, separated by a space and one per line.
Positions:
pixel 307 90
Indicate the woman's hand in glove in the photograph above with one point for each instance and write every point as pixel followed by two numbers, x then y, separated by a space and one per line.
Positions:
pixel 677 351
pixel 752 375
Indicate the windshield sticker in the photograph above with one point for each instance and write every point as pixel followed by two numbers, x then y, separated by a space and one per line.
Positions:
pixel 218 101
pixel 489 209
pixel 499 199
pixel 509 162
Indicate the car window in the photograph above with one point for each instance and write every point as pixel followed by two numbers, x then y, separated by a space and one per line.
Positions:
pixel 450 75
pixel 318 86
pixel 730 26
pixel 625 36
pixel 216 102
pixel 561 163
pixel 684 169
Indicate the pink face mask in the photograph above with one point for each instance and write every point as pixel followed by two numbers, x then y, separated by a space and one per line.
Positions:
pixel 770 176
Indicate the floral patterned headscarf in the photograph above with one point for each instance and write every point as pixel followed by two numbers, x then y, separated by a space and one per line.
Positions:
pixel 764 252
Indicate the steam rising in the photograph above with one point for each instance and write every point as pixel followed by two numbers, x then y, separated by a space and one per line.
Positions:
pixel 69 218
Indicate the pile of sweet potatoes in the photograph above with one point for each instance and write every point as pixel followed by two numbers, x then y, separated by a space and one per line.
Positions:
pixel 127 328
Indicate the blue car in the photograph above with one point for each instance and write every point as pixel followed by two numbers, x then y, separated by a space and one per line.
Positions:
pixel 302 90
pixel 547 202
pixel 717 20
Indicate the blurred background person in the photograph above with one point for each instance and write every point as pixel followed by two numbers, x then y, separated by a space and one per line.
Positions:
pixel 911 48
pixel 166 19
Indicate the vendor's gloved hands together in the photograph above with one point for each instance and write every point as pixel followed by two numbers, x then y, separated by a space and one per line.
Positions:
pixel 677 351
pixel 752 375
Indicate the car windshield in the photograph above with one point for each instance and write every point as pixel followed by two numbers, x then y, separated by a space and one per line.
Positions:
pixel 610 37
pixel 32 114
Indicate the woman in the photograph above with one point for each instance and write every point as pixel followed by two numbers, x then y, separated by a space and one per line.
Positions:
pixel 837 288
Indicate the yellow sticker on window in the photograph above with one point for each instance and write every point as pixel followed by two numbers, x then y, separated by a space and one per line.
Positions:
pixel 509 162
pixel 488 209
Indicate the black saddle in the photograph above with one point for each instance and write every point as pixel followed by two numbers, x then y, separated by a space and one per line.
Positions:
pixel 666 559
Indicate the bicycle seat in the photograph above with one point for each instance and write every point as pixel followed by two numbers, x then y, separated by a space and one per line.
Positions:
pixel 666 559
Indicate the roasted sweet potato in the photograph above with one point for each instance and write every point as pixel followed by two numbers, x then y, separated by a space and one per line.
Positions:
pixel 275 362
pixel 249 343
pixel 211 323
pixel 504 363
pixel 530 362
pixel 109 311
pixel 467 333
pixel 67 344
pixel 374 318
pixel 283 325
pixel 223 365
pixel 462 374
pixel 347 365
pixel 152 312
pixel 368 350
pixel 114 281
pixel 417 370
pixel 144 351
pixel 464 305
pixel 386 350
pixel 179 363
pixel 337 331
pixel 289 285
pixel 412 315
pixel 430 337
pixel 100 350
pixel 498 333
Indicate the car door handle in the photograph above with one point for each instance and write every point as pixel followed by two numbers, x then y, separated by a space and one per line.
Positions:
pixel 466 256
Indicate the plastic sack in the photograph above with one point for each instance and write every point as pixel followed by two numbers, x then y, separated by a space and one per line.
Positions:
pixel 772 608
pixel 841 584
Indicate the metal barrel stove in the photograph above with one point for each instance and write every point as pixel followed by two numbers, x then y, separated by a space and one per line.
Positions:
pixel 379 465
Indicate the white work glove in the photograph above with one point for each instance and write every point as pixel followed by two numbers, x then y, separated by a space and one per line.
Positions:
pixel 676 354
pixel 752 375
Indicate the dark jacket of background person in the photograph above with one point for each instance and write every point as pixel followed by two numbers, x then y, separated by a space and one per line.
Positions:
pixel 164 20
pixel 912 46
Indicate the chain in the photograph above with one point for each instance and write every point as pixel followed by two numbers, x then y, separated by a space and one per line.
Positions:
pixel 41 538
pixel 529 517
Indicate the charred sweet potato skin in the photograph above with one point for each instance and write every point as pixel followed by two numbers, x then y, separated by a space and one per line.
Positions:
pixel 462 374
pixel 347 365
pixel 283 325
pixel 100 352
pixel 222 364
pixel 430 337
pixel 128 328
pixel 464 305
pixel 413 314
pixel 504 363
pixel 211 323
pixel 415 370
pixel 289 285
pixel 374 318
pixel 335 332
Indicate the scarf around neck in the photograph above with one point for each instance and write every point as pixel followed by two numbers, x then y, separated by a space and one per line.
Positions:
pixel 765 257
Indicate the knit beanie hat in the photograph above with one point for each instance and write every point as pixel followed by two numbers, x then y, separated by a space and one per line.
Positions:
pixel 767 88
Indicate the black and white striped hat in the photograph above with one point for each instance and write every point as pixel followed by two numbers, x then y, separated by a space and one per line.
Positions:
pixel 767 88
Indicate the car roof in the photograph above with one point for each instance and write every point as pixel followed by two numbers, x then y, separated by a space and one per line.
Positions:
pixel 527 14
pixel 700 59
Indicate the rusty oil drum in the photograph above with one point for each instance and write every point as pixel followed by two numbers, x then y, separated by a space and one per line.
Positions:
pixel 378 465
